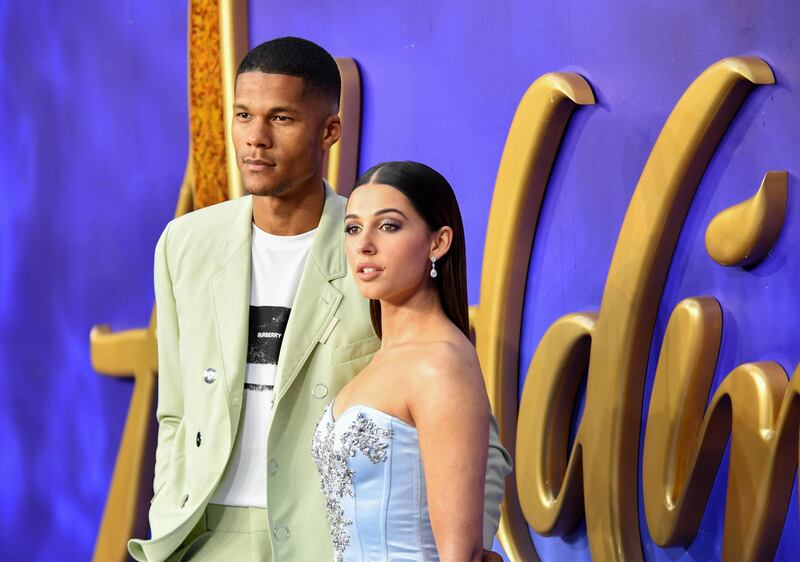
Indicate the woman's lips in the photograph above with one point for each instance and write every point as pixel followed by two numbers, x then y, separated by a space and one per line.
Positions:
pixel 368 271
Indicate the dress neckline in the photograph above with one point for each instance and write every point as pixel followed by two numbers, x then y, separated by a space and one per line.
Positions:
pixel 380 413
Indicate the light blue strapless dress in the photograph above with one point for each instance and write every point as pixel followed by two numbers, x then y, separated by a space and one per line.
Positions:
pixel 374 486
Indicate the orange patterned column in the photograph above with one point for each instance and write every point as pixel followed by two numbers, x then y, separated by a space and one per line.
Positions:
pixel 206 121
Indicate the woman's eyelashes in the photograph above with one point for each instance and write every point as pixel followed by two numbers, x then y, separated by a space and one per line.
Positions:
pixel 385 226
pixel 389 226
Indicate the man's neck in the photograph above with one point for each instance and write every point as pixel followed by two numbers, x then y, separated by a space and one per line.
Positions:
pixel 289 215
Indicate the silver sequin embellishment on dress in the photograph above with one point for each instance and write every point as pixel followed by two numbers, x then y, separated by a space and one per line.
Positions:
pixel 336 477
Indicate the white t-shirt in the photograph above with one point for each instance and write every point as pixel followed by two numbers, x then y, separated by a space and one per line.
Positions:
pixel 277 264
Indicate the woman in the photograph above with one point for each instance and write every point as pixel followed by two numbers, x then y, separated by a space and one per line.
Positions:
pixel 402 449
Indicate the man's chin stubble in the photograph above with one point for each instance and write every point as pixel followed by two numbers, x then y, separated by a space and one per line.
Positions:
pixel 275 191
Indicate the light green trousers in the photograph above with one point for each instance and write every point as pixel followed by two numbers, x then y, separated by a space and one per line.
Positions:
pixel 225 534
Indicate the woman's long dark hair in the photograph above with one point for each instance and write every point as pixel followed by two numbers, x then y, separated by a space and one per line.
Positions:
pixel 434 200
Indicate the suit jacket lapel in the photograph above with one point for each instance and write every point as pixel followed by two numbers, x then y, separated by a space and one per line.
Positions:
pixel 230 292
pixel 316 300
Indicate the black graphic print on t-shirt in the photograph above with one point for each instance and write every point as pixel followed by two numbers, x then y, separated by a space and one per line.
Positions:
pixel 267 325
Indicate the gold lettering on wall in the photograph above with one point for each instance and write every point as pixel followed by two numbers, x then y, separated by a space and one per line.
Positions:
pixel 558 366
pixel 744 233
pixel 341 161
pixel 600 475
pixel 528 155
pixel 755 404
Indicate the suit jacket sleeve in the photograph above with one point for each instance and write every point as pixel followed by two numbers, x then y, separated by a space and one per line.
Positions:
pixel 498 466
pixel 170 392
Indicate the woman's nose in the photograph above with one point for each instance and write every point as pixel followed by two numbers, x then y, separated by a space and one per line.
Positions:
pixel 365 246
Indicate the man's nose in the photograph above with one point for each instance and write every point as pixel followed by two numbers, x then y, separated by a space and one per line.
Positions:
pixel 259 136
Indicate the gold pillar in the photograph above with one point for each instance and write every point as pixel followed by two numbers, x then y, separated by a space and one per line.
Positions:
pixel 233 45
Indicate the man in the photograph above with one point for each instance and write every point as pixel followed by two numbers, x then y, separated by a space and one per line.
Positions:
pixel 259 326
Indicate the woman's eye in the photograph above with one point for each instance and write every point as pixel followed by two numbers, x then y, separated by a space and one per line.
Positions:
pixel 389 226
pixel 350 229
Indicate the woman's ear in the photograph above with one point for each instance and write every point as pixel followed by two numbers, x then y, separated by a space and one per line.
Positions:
pixel 440 244
pixel 331 132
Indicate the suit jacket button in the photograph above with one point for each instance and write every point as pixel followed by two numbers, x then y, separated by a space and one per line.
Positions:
pixel 199 439
pixel 320 391
pixel 281 533
pixel 272 467
pixel 210 375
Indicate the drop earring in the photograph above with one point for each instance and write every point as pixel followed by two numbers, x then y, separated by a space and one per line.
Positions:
pixel 433 267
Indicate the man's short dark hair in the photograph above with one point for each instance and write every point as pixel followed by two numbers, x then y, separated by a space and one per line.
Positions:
pixel 293 56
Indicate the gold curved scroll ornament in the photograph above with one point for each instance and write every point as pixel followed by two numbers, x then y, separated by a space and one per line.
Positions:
pixel 341 162
pixel 530 149
pixel 607 441
pixel 134 351
pixel 744 233
pixel 684 442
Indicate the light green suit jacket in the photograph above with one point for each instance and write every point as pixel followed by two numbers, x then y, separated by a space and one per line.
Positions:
pixel 202 281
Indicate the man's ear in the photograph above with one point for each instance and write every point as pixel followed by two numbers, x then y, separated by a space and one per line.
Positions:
pixel 440 244
pixel 331 132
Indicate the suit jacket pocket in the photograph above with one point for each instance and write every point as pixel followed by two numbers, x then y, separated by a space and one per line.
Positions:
pixel 356 350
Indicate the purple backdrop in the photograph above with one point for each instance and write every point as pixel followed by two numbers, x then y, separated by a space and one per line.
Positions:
pixel 441 85
pixel 94 143
pixel 92 104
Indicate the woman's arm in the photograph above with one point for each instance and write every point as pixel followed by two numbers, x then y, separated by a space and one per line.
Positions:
pixel 451 412
pixel 498 467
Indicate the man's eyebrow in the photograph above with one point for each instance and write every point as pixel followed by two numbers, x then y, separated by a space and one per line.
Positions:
pixel 282 109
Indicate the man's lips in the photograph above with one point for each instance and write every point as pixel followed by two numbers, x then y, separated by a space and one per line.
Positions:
pixel 257 165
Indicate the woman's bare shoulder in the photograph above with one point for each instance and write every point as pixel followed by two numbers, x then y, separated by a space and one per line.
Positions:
pixel 440 365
